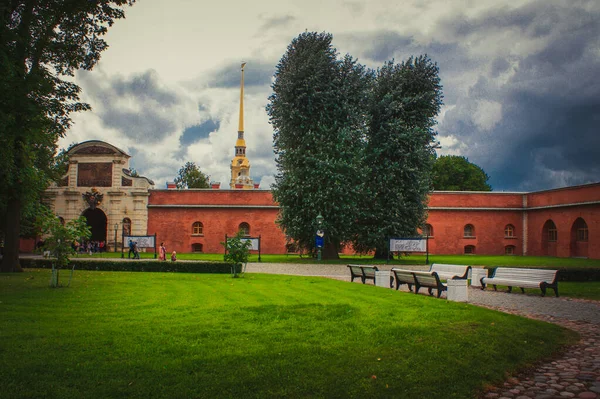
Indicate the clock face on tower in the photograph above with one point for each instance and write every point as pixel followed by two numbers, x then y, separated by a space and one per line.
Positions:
pixel 240 161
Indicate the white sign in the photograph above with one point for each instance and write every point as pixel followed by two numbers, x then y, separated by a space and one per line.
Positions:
pixel 141 241
pixel 254 241
pixel 408 245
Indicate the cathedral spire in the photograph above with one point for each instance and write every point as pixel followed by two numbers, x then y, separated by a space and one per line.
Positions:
pixel 240 166
pixel 241 126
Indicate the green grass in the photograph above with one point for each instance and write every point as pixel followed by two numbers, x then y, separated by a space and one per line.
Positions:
pixel 475 260
pixel 175 335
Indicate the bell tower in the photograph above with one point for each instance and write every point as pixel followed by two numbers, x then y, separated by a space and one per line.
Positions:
pixel 240 166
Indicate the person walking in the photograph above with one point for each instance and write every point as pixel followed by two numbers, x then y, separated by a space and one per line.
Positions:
pixel 162 252
pixel 136 252
pixel 131 250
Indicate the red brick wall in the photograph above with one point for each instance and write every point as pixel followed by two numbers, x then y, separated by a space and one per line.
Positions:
pixel 564 218
pixel 173 225
pixel 448 231
pixel 222 211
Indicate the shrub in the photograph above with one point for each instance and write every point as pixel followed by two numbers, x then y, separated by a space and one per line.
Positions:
pixel 137 266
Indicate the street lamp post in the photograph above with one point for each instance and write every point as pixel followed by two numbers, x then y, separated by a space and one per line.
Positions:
pixel 116 229
pixel 320 234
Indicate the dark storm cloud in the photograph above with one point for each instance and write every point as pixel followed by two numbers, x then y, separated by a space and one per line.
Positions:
pixel 452 59
pixel 256 73
pixel 195 133
pixel 548 135
pixel 138 106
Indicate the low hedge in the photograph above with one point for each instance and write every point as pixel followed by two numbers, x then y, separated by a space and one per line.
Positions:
pixel 568 274
pixel 141 265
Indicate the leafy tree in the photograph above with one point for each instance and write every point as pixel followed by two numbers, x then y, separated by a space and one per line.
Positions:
pixel 456 173
pixel 190 176
pixel 59 238
pixel 399 154
pixel 316 112
pixel 42 44
pixel 237 251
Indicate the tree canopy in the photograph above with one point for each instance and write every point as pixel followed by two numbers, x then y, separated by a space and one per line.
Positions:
pixel 353 144
pixel 456 173
pixel 315 110
pixel 399 152
pixel 42 44
pixel 190 176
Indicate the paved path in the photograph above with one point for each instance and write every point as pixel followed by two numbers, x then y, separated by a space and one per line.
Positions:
pixel 572 374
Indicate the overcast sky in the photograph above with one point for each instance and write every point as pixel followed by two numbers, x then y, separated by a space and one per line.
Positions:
pixel 521 81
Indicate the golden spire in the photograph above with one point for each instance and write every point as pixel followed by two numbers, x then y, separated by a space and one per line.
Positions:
pixel 241 127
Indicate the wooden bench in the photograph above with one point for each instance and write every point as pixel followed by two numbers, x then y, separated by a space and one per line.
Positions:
pixel 448 272
pixel 523 278
pixel 402 276
pixel 364 272
pixel 431 280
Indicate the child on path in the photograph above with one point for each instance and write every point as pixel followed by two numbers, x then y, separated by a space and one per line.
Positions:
pixel 173 256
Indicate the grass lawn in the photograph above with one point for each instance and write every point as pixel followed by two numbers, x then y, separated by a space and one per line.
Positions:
pixel 476 260
pixel 175 335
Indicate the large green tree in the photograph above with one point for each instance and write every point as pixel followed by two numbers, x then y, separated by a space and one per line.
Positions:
pixel 399 154
pixel 42 44
pixel 190 176
pixel 456 173
pixel 316 110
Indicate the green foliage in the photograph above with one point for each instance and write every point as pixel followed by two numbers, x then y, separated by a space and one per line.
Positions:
pixel 190 176
pixel 455 173
pixel 405 100
pixel 138 265
pixel 237 251
pixel 316 112
pixel 42 44
pixel 59 237
pixel 352 144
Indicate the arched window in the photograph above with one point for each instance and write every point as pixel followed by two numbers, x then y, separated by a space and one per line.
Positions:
pixel 469 231
pixel 551 232
pixel 197 228
pixel 469 249
pixel 428 230
pixel 509 231
pixel 244 228
pixel 581 230
pixel 62 220
pixel 509 250
pixel 126 227
pixel 197 247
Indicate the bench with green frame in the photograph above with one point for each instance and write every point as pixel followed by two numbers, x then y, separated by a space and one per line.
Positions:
pixel 450 272
pixel 402 276
pixel 363 272
pixel 523 278
pixel 431 280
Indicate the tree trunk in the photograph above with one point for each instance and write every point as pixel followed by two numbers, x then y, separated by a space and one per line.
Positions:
pixel 330 251
pixel 10 260
pixel 381 253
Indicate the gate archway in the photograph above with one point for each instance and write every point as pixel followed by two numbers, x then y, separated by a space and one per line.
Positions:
pixel 96 219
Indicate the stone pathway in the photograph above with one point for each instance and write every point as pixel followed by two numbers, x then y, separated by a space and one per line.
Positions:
pixel 574 374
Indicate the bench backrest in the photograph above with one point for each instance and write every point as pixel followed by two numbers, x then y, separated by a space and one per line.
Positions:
pixel 405 276
pixel 426 278
pixel 360 270
pixel 459 270
pixel 537 275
